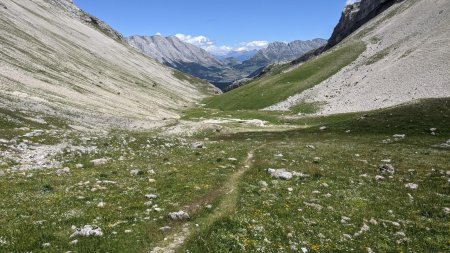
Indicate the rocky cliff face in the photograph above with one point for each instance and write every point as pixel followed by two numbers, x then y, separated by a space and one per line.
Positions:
pixel 356 15
pixel 171 51
pixel 72 9
pixel 280 51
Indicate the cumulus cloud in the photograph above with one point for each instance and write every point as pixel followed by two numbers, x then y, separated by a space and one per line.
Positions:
pixel 199 41
pixel 207 44
pixel 352 1
pixel 252 45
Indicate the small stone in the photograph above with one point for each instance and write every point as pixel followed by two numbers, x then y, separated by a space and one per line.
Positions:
pixel 179 216
pixel 446 210
pixel 87 231
pixel 378 177
pixel 151 196
pixel 165 229
pixel 386 168
pixel 323 128
pixel 316 159
pixel 135 172
pixel 73 242
pixel 311 147
pixel 347 236
pixel 98 162
pixel 79 166
pixel 209 207
pixel 280 174
pixel 101 204
pixel 45 245
pixel 232 159
pixel 290 189
pixel 128 231
pixel 344 219
pixel 399 136
pixel 411 186
pixel 197 145
pixel 263 184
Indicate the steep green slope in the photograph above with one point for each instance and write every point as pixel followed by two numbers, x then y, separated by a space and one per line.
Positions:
pixel 272 89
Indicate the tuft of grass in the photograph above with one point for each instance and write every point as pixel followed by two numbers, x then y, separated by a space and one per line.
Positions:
pixel 276 88
pixel 378 56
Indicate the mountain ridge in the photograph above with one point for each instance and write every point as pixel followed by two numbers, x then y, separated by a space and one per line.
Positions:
pixel 196 61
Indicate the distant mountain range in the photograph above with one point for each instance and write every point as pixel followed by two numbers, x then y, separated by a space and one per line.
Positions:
pixel 219 70
pixel 238 55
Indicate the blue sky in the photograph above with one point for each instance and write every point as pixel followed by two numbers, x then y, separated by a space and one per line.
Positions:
pixel 221 25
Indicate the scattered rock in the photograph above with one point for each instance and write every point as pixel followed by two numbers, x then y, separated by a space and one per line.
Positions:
pixel 323 128
pixel 263 184
pixel 135 172
pixel 232 159
pixel 316 159
pixel 101 161
pixel 101 204
pixel 313 205
pixel 433 131
pixel 446 210
pixel 399 136
pixel 79 166
pixel 73 242
pixel 165 229
pixel 198 145
pixel 151 196
pixel 45 245
pixel 60 172
pixel 179 216
pixel 280 174
pixel 363 229
pixel 344 219
pixel 87 231
pixel 378 177
pixel 311 147
pixel 443 145
pixel 386 168
pixel 411 186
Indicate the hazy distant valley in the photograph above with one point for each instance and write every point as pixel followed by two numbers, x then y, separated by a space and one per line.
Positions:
pixel 221 71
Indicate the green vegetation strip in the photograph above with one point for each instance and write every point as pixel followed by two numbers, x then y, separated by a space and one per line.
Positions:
pixel 273 89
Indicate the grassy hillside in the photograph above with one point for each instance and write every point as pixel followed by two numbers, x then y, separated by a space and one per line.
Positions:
pixel 273 89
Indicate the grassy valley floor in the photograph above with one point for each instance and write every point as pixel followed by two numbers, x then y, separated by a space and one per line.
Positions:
pixel 362 182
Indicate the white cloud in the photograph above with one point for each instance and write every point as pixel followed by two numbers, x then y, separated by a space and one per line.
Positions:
pixel 207 44
pixel 199 41
pixel 252 45
pixel 352 1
